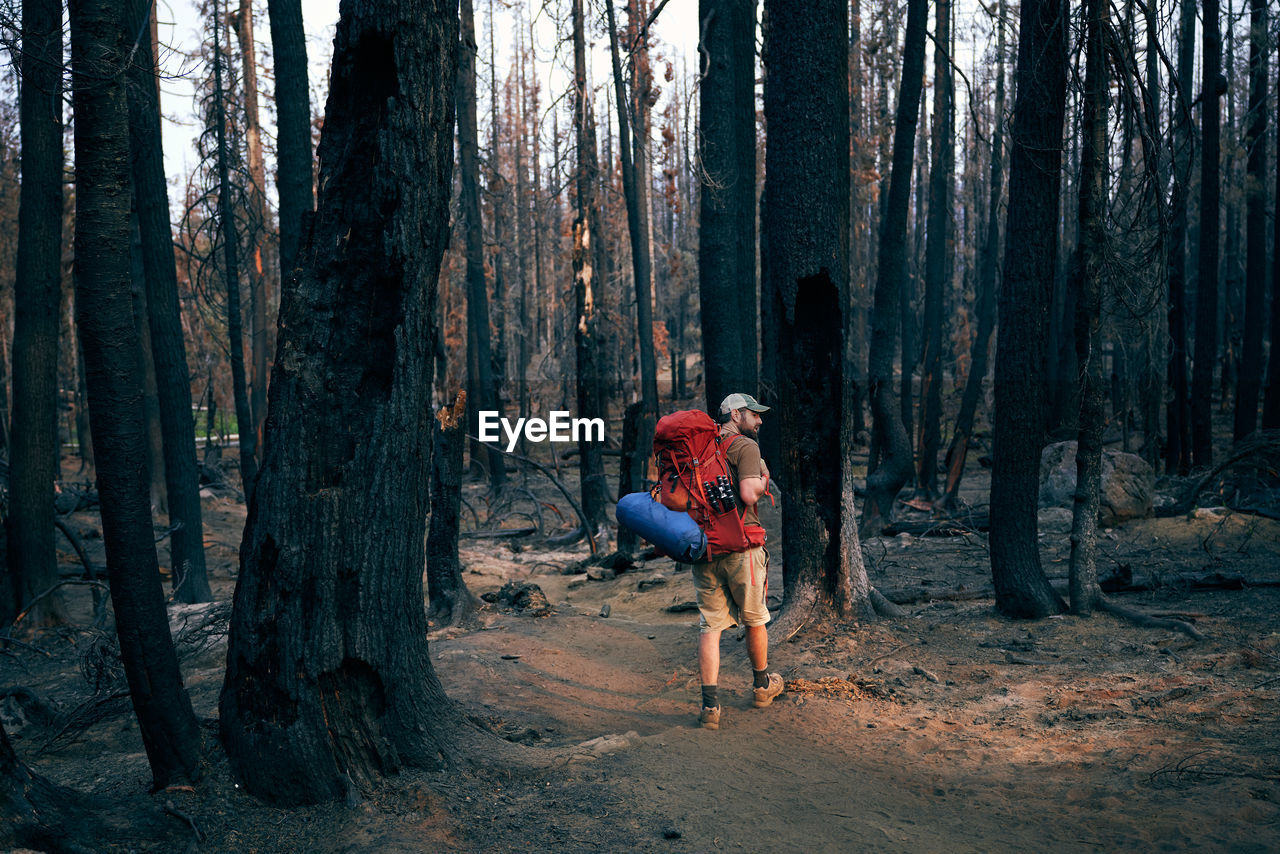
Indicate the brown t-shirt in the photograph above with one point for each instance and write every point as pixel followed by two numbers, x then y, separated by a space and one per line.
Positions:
pixel 744 461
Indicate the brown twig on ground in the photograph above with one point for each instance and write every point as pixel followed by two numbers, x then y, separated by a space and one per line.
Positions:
pixel 174 811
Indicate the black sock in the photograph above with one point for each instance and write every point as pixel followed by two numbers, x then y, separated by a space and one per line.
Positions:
pixel 709 699
pixel 760 678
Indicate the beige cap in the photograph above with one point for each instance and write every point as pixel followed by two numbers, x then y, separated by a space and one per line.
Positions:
pixel 737 400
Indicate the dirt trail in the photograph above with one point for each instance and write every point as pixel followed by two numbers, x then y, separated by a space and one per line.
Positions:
pixel 1080 753
pixel 951 729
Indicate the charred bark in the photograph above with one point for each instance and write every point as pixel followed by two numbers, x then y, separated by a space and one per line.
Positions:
pixel 726 215
pixel 1178 410
pixel 1251 364
pixel 938 264
pixel 293 127
pixel 958 451
pixel 1031 248
pixel 1085 591
pixel 449 602
pixel 889 434
pixel 806 227
pixel 483 390
pixel 109 341
pixel 33 447
pixel 327 665
pixel 173 382
pixel 587 233
pixel 1206 344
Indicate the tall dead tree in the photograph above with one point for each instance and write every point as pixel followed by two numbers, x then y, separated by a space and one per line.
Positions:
pixel 587 235
pixel 938 254
pixel 327 665
pixel 231 266
pixel 1251 363
pixel 293 126
pixel 1178 409
pixel 188 572
pixel 804 278
pixel 1088 330
pixel 1271 400
pixel 989 254
pixel 33 448
pixel 889 432
pixel 634 187
pixel 1206 344
pixel 727 202
pixel 482 386
pixel 1031 256
pixel 259 222
pixel 104 318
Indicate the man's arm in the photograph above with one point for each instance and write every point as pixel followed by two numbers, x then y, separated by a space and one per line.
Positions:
pixel 750 489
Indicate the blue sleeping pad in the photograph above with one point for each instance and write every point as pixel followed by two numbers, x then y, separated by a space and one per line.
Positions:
pixel 675 534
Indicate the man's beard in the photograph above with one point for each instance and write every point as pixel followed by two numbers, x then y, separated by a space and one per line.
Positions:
pixel 750 433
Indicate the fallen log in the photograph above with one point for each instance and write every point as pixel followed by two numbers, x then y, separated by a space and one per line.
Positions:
pixel 950 526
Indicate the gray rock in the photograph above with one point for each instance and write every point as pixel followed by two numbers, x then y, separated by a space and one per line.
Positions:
pixel 1054 520
pixel 1128 483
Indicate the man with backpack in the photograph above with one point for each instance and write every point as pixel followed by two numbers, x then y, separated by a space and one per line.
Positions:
pixel 731 587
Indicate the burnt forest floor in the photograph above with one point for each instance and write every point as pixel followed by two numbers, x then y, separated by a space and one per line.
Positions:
pixel 951 728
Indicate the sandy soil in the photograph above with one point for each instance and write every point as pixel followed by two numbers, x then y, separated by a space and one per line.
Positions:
pixel 951 729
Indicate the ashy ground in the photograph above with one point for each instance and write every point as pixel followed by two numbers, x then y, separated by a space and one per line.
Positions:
pixel 951 729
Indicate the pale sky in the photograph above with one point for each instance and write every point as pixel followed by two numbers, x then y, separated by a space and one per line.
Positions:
pixel 182 28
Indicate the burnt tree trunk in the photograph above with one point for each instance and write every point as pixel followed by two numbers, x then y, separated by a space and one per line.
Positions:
pixel 327 666
pixel 109 340
pixel 727 202
pixel 483 390
pixel 633 188
pixel 1206 345
pixel 1031 250
pixel 889 434
pixel 33 448
pixel 173 382
pixel 1084 588
pixel 805 279
pixel 1250 380
pixel 231 271
pixel 938 265
pixel 293 127
pixel 958 451
pixel 1178 410
pixel 1271 400
pixel 260 222
pixel 587 233
pixel 449 602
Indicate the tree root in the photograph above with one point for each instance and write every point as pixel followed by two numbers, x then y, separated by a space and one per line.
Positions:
pixel 1146 620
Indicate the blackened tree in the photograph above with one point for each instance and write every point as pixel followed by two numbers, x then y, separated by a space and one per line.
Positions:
pixel 34 448
pixel 727 202
pixel 889 433
pixel 1031 252
pixel 110 343
pixel 1251 362
pixel 173 383
pixel 587 235
pixel 805 280
pixel 327 666
pixel 1206 344
pixel 293 126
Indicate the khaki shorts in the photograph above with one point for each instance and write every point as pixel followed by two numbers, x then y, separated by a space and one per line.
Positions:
pixel 731 590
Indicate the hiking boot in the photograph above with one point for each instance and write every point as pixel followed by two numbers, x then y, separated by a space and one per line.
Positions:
pixel 710 718
pixel 764 696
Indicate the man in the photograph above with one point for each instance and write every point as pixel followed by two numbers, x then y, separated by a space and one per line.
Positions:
pixel 731 588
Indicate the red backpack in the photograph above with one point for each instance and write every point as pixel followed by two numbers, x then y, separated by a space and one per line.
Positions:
pixel 694 476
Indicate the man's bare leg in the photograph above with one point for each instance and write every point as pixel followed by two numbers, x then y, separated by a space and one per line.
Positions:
pixel 758 647
pixel 709 657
